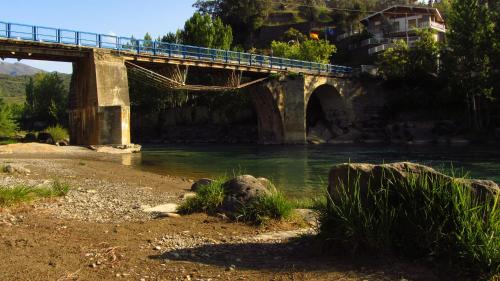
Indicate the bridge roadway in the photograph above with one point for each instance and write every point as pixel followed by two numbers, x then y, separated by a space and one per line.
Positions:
pixel 99 96
pixel 62 45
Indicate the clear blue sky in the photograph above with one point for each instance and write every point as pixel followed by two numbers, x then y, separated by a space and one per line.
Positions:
pixel 120 17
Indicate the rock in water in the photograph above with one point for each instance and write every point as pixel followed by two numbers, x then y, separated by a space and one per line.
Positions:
pixel 374 175
pixel 201 182
pixel 242 190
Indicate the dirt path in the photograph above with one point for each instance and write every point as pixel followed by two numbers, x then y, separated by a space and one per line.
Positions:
pixel 99 232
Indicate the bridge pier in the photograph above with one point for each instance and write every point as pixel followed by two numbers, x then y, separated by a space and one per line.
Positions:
pixel 99 101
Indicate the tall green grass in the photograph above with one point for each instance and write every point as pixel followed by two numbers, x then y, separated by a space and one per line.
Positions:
pixel 266 207
pixel 422 216
pixel 23 193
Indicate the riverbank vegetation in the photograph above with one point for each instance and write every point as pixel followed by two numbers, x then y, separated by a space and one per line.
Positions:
pixel 210 199
pixel 16 194
pixel 422 217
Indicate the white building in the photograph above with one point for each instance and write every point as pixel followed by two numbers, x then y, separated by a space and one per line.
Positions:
pixel 400 22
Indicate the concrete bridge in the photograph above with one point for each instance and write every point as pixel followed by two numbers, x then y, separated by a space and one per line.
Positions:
pixel 99 97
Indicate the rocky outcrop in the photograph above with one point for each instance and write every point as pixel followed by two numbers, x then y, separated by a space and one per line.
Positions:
pixel 374 176
pixel 242 190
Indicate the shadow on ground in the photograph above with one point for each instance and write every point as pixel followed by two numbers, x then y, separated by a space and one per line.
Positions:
pixel 305 254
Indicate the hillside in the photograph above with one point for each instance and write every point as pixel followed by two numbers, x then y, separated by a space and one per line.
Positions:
pixel 12 88
pixel 17 69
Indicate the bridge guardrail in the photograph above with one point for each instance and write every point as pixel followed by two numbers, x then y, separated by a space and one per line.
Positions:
pixel 139 46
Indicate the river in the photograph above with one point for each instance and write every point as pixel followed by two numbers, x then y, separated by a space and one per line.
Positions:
pixel 300 170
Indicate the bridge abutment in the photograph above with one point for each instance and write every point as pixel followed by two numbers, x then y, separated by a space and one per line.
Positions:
pixel 99 101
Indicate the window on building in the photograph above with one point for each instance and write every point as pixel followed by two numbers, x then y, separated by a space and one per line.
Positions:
pixel 395 26
pixel 412 24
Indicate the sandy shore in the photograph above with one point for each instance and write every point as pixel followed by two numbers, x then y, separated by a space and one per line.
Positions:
pixel 99 231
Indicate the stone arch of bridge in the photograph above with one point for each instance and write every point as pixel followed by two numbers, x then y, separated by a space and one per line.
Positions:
pixel 268 102
pixel 326 113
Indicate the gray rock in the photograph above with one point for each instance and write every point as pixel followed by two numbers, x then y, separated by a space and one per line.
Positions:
pixel 162 209
pixel 10 168
pixel 242 190
pixel 201 182
pixel 372 176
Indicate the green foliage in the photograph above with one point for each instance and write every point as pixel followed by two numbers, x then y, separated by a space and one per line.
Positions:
pixel 470 63
pixel 273 206
pixel 309 50
pixel 58 133
pixel 393 64
pixel 7 124
pixel 208 199
pixel 424 55
pixel 201 30
pixel 24 193
pixel 293 34
pixel 422 216
pixel 244 16
pixel 46 100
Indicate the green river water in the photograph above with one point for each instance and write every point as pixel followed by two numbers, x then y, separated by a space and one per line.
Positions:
pixel 303 170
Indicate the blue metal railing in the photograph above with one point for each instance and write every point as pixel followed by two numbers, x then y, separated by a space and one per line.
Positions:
pixel 94 40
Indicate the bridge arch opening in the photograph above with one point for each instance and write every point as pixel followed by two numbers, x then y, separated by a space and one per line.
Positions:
pixel 164 115
pixel 325 114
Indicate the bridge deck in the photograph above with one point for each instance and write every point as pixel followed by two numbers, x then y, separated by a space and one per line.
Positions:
pixel 26 41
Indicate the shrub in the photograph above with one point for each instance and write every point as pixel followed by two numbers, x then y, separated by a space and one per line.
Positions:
pixel 419 217
pixel 25 193
pixel 58 133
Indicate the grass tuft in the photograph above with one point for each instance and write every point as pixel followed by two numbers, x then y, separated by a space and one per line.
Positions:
pixel 420 217
pixel 58 133
pixel 23 193
pixel 208 199
pixel 272 206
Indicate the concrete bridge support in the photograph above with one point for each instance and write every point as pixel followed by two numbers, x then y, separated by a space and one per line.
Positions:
pixel 282 105
pixel 99 101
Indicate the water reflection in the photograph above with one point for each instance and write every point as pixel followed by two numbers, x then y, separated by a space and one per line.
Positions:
pixel 304 169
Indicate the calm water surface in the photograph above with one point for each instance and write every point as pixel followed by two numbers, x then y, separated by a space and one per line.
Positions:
pixel 301 170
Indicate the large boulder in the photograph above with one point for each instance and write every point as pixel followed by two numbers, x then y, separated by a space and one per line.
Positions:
pixel 242 190
pixel 373 176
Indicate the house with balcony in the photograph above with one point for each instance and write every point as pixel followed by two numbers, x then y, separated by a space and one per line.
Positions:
pixel 401 22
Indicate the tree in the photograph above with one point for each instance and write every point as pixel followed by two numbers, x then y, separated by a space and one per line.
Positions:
pixel 424 55
pixel 148 40
pixel 200 30
pixel 174 38
pixel 469 38
pixel 293 34
pixel 223 37
pixel 46 100
pixel 244 16
pixel 394 62
pixel 7 124
pixel 310 50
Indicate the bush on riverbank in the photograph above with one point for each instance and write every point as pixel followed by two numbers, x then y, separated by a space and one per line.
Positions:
pixel 419 217
pixel 24 193
pixel 209 199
